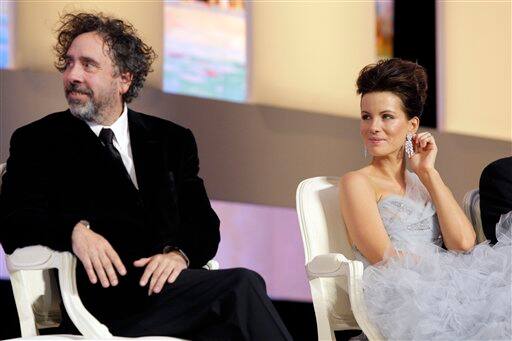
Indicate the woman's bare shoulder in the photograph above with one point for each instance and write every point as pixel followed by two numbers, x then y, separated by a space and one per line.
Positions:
pixel 358 176
pixel 357 179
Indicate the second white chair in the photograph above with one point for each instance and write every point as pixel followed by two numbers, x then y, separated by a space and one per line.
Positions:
pixel 471 206
pixel 335 277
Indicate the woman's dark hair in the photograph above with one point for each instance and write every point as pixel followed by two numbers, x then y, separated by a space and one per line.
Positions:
pixel 127 51
pixel 405 79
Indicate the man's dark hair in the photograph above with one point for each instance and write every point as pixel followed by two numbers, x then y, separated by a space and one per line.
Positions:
pixel 127 51
pixel 405 79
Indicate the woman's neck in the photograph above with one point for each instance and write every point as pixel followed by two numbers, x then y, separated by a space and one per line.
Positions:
pixel 390 167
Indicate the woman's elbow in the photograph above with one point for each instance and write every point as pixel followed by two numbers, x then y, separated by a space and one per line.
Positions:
pixel 465 244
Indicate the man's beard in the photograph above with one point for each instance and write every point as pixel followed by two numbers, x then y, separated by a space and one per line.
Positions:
pixel 90 110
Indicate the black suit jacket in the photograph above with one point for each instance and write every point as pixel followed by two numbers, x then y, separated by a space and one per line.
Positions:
pixel 59 173
pixel 495 194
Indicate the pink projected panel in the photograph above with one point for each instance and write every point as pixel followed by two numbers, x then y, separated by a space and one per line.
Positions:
pixel 3 268
pixel 262 238
pixel 265 239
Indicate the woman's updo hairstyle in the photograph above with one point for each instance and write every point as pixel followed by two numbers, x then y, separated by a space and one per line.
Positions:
pixel 405 79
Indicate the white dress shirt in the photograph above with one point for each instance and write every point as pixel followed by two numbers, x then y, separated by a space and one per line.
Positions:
pixel 121 141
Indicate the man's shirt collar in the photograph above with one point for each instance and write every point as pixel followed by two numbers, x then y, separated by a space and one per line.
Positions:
pixel 119 127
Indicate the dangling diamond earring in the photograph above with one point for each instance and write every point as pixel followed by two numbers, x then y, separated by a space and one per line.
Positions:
pixel 365 152
pixel 409 149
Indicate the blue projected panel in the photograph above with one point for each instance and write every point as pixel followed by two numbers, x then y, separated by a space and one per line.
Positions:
pixel 5 35
pixel 204 49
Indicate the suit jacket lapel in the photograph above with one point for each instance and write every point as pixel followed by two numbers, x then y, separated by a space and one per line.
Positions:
pixel 87 147
pixel 79 133
pixel 82 143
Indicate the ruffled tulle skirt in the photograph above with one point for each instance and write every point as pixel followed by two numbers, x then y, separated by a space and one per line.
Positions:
pixel 432 294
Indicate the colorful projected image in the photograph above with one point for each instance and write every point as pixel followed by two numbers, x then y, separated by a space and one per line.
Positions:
pixel 205 49
pixel 385 31
pixel 5 35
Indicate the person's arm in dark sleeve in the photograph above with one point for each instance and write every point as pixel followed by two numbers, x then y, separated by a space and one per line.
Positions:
pixel 495 194
pixel 25 212
pixel 198 235
pixel 488 211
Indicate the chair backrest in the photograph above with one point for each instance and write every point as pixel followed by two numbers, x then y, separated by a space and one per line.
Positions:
pixel 322 227
pixel 36 295
pixel 471 206
pixel 323 231
pixel 3 168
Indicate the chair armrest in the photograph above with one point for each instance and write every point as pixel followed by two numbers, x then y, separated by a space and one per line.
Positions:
pixel 35 257
pixel 329 265
pixel 337 265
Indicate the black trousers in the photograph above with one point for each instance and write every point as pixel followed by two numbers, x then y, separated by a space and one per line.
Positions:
pixel 229 304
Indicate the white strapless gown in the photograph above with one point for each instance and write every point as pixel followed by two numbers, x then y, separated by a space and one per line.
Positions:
pixel 431 293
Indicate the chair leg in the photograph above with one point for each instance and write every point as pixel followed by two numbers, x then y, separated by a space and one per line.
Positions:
pixel 23 305
pixel 87 324
pixel 325 332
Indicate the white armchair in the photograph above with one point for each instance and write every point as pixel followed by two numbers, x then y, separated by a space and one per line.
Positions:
pixel 33 271
pixel 335 278
pixel 471 207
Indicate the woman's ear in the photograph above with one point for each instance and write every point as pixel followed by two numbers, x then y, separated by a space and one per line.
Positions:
pixel 414 124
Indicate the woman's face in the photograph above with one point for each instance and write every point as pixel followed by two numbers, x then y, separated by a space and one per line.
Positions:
pixel 384 123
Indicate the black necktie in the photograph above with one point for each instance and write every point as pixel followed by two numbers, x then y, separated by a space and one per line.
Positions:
pixel 107 138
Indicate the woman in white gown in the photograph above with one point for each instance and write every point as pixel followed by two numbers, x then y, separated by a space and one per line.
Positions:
pixel 398 222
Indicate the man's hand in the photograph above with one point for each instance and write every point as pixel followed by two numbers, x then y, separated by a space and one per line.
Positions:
pixel 97 255
pixel 160 268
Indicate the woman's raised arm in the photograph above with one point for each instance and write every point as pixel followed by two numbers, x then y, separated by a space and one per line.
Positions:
pixel 458 234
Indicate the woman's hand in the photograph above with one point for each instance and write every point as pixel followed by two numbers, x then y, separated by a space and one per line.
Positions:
pixel 425 151
pixel 457 232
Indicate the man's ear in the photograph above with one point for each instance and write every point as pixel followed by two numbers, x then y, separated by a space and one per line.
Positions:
pixel 126 81
pixel 414 124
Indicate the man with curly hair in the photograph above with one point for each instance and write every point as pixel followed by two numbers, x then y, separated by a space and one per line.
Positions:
pixel 120 189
